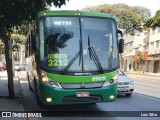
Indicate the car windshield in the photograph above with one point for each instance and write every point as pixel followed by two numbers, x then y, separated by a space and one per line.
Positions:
pixel 17 64
pixel 63 38
pixel 24 63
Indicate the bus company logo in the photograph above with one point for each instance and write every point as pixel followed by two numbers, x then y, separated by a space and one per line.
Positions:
pixel 82 85
pixel 6 114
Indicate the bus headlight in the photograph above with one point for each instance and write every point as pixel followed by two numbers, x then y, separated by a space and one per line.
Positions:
pixel 54 84
pixel 49 82
pixel 45 80
pixel 115 77
pixel 44 77
pixel 111 81
pixel 106 83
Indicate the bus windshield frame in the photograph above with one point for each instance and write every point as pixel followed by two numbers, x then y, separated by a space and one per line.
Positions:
pixel 62 38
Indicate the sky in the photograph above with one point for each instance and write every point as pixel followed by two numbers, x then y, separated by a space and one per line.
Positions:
pixel 153 5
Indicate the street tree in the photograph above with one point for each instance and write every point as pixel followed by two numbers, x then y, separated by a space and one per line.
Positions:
pixel 14 13
pixel 153 22
pixel 1 47
pixel 19 37
pixel 143 12
pixel 140 58
pixel 129 18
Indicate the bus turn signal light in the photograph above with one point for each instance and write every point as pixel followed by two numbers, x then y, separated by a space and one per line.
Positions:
pixel 43 74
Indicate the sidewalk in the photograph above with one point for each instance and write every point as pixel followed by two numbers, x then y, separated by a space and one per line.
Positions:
pixel 145 75
pixel 7 104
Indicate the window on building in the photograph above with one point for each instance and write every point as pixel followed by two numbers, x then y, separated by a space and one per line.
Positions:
pixel 157 43
pixel 147 34
pixel 147 46
pixel 136 49
pixel 152 44
pixel 144 48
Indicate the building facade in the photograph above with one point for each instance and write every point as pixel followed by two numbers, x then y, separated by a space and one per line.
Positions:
pixel 148 44
pixel 131 46
pixel 153 41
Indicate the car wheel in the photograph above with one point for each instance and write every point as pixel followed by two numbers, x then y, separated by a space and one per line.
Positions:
pixel 128 94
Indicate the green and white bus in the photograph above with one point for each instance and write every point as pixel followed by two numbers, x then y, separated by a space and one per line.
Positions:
pixel 73 57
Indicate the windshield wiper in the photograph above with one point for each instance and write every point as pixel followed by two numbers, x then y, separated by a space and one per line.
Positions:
pixel 79 54
pixel 94 56
pixel 80 51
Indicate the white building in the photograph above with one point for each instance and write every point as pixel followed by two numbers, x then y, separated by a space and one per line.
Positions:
pixel 153 61
pixel 148 42
pixel 132 45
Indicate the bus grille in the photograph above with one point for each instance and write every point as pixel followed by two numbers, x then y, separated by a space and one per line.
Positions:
pixel 85 85
pixel 95 98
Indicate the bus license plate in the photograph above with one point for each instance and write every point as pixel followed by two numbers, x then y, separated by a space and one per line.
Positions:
pixel 83 94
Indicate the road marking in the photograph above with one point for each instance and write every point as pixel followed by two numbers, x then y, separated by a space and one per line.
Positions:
pixel 156 99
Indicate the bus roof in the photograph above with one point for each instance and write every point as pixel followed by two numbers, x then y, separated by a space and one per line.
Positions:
pixel 73 13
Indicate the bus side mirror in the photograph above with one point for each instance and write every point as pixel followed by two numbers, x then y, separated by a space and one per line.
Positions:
pixel 121 45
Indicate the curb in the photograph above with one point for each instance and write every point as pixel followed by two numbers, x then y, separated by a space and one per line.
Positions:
pixel 146 74
pixel 20 92
pixel 144 77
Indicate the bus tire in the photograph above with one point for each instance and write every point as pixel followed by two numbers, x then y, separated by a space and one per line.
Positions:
pixel 37 95
pixel 30 88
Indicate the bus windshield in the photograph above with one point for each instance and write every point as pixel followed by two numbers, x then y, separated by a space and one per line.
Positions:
pixel 63 38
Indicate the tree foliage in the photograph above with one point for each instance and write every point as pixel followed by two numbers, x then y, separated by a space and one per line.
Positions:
pixel 14 13
pixel 153 22
pixel 129 18
pixel 143 12
pixel 140 57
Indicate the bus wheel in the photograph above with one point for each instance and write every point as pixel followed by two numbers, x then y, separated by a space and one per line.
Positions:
pixel 37 94
pixel 30 88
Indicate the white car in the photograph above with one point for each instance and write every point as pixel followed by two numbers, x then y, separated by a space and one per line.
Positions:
pixel 125 84
pixel 23 67
pixel 17 67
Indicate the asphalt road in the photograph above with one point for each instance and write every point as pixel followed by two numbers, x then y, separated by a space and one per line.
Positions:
pixel 146 85
pixel 144 99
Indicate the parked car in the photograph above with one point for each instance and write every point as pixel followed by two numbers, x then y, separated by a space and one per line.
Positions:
pixel 125 84
pixel 23 67
pixel 2 66
pixel 17 66
pixel 24 63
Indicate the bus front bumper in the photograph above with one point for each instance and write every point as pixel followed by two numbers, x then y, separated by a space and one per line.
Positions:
pixel 51 96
